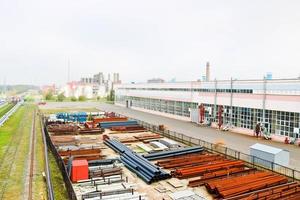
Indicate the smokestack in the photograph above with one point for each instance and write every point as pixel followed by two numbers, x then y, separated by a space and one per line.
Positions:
pixel 207 71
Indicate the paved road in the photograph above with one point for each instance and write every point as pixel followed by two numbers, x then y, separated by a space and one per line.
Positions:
pixel 232 140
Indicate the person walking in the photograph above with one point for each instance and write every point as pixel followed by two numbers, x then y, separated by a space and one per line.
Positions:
pixel 257 129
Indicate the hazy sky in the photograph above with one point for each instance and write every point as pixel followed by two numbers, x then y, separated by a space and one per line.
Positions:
pixel 143 39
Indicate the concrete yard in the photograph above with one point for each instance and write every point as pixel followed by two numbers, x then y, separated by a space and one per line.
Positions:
pixel 231 140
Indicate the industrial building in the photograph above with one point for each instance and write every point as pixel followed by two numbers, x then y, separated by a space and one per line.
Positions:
pixel 101 86
pixel 238 104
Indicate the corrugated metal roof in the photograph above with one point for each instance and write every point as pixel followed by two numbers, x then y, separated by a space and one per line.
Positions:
pixel 266 148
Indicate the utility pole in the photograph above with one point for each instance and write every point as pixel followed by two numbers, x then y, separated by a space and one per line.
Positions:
pixel 231 99
pixel 68 70
pixel 264 100
pixel 4 87
pixel 215 100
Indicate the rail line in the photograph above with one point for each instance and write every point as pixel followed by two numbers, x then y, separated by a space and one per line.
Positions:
pixel 32 155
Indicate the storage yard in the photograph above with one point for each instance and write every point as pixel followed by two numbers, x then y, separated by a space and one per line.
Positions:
pixel 106 156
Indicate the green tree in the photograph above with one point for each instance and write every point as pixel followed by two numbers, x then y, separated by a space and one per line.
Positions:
pixel 61 97
pixel 49 96
pixel 82 98
pixel 111 96
pixel 90 117
pixel 73 98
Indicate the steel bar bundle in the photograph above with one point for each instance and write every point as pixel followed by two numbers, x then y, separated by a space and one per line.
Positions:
pixel 106 172
pixel 133 128
pixel 136 163
pixel 118 123
pixel 217 175
pixel 109 119
pixel 79 152
pixel 231 187
pixel 283 191
pixel 193 171
pixel 63 140
pixel 177 152
pixel 90 131
pixel 63 128
pixel 103 162
pixel 87 157
pixel 147 136
pixel 128 139
pixel 189 161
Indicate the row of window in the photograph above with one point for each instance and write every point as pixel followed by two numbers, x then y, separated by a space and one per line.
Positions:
pixel 277 122
pixel 193 90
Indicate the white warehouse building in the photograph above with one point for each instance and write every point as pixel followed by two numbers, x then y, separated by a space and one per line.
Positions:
pixel 274 103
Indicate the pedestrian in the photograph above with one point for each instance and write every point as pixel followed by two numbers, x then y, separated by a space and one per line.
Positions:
pixel 257 129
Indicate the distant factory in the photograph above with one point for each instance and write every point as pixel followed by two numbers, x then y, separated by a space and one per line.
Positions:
pixel 95 86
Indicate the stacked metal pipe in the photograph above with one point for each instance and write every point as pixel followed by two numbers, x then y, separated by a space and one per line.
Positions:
pixel 136 163
pixel 177 152
pixel 118 123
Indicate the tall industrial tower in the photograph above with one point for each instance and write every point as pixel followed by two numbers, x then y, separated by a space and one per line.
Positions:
pixel 207 71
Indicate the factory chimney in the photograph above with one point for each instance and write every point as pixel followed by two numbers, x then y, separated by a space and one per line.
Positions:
pixel 207 71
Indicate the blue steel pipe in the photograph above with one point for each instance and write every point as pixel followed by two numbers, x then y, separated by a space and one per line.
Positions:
pixel 165 154
pixel 174 153
pixel 138 168
pixel 142 176
pixel 136 163
pixel 143 163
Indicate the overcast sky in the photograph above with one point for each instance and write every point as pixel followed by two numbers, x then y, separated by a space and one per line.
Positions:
pixel 143 39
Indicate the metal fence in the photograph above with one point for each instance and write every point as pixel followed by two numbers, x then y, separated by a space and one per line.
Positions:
pixel 6 116
pixel 251 161
pixel 61 165
pixel 50 191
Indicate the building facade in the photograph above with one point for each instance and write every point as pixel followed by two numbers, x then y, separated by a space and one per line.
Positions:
pixel 101 87
pixel 273 103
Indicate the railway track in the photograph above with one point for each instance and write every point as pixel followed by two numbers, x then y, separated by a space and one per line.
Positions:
pixel 32 155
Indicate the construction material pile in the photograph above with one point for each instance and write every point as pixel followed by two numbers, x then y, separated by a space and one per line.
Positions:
pixel 63 128
pixel 147 136
pixel 230 179
pixel 172 153
pixel 128 129
pixel 105 172
pixel 136 163
pixel 288 191
pixel 229 187
pixel 72 129
pixel 198 170
pixel 118 124
pixel 87 154
pixel 189 160
pixel 109 119
pixel 63 140
pixel 74 117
